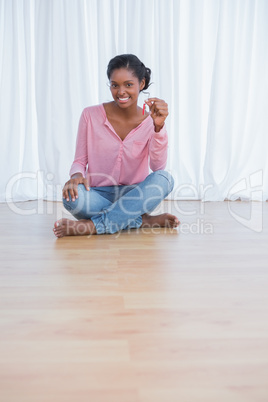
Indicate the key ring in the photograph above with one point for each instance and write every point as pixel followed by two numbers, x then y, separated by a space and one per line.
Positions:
pixel 144 105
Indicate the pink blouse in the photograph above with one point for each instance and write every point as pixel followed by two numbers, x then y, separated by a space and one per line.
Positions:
pixel 107 160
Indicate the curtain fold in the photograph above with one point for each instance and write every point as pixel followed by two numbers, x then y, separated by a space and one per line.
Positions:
pixel 236 135
pixel 209 60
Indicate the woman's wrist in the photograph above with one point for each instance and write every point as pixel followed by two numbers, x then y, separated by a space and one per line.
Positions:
pixel 158 128
pixel 76 175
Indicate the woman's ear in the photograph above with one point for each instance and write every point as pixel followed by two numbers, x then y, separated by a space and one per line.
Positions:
pixel 142 84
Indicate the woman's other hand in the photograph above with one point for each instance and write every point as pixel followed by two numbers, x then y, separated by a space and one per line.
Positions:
pixel 71 186
pixel 159 112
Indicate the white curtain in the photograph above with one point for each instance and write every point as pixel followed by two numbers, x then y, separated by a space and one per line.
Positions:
pixel 210 63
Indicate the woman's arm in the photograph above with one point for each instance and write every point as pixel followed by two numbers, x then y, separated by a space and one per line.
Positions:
pixel 81 155
pixel 159 142
pixel 158 148
pixel 78 168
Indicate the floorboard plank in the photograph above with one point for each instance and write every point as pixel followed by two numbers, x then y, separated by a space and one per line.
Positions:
pixel 149 315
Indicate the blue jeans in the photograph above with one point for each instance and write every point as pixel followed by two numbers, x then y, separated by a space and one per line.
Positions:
pixel 114 208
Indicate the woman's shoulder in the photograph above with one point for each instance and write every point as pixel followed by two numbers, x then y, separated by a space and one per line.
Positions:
pixel 93 108
pixel 93 112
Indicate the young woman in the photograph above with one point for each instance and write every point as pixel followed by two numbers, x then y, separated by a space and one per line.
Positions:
pixel 110 187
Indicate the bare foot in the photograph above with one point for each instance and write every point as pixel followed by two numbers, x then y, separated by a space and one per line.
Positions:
pixel 68 227
pixel 163 220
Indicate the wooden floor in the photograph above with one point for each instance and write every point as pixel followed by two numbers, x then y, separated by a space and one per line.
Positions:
pixel 160 316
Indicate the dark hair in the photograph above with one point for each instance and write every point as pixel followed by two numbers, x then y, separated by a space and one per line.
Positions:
pixel 132 63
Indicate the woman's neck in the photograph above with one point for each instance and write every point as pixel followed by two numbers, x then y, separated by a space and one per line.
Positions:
pixel 129 113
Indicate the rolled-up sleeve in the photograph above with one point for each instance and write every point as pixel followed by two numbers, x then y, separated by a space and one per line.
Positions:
pixel 158 149
pixel 81 153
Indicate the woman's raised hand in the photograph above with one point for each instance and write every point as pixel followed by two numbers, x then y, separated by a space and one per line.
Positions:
pixel 159 112
pixel 71 186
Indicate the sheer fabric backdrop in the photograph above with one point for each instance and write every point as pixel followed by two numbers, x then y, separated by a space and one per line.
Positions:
pixel 209 61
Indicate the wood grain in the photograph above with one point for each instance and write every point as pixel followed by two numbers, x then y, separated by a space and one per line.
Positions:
pixel 140 316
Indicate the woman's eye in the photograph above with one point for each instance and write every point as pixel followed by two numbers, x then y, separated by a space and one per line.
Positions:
pixel 113 85
pixel 129 85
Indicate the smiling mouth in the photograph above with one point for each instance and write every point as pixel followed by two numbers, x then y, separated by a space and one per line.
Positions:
pixel 123 100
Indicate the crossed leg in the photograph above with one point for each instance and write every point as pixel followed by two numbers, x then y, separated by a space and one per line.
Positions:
pixel 122 213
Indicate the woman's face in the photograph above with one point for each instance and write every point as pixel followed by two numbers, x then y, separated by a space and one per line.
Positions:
pixel 125 87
